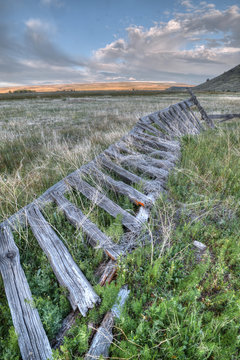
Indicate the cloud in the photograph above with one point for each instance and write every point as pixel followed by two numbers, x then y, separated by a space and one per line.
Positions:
pixel 40 47
pixel 188 4
pixel 199 42
pixel 57 3
pixel 36 57
pixel 192 45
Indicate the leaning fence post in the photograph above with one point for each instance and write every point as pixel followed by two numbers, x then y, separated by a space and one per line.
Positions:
pixel 201 110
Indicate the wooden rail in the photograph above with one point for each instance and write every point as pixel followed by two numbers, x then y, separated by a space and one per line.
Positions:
pixel 151 148
pixel 224 117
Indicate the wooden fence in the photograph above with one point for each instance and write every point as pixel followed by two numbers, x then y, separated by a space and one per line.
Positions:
pixel 152 148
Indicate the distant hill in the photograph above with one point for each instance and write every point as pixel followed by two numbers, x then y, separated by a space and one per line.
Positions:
pixel 228 81
pixel 178 88
pixel 106 86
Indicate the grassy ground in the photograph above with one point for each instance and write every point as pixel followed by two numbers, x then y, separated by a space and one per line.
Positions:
pixel 178 308
pixel 189 309
pixel 43 140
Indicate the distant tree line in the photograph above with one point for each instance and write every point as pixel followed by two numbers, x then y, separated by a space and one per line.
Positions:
pixel 23 91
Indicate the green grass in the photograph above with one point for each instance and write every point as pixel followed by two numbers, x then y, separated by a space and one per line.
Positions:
pixel 189 310
pixel 178 308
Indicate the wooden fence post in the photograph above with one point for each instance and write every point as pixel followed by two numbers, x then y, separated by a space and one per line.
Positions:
pixel 201 110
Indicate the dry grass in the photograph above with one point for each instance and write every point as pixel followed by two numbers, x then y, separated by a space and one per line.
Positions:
pixel 42 140
pixel 110 86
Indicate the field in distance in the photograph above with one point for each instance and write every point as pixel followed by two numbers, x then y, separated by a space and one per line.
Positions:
pixel 109 86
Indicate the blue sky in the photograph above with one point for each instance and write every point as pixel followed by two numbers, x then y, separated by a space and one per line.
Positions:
pixel 67 41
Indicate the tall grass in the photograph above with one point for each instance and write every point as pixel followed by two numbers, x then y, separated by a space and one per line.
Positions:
pixel 42 140
pixel 178 308
pixel 189 308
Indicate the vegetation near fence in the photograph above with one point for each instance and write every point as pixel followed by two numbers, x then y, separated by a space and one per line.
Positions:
pixel 182 304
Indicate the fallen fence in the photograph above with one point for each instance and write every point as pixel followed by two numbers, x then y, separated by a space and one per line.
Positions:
pixel 151 148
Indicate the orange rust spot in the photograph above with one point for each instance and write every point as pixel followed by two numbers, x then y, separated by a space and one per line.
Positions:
pixel 139 203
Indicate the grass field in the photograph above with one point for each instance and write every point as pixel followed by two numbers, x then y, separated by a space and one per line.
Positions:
pixel 106 86
pixel 178 309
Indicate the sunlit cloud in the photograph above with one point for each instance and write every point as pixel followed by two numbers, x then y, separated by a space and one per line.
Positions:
pixel 186 44
pixel 199 42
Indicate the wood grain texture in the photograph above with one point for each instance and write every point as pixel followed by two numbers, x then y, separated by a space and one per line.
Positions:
pixel 201 109
pixel 145 167
pixel 159 120
pixel 109 272
pixel 187 125
pixel 81 293
pixel 125 146
pixel 119 187
pixel 98 198
pixel 32 339
pixel 164 145
pixel 150 151
pixel 96 237
pixel 179 127
pixel 124 174
pixel 150 128
pixel 67 323
pixel 188 111
pixel 223 117
pixel 188 119
pixel 104 335
pixel 102 339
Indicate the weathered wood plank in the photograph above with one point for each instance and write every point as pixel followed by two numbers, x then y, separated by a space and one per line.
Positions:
pixel 179 128
pixel 103 201
pixel 178 121
pixel 136 164
pixel 32 339
pixel 119 187
pixel 153 152
pixel 201 109
pixel 150 128
pixel 157 119
pixel 79 220
pixel 188 126
pixel 102 339
pixel 165 121
pixel 188 111
pixel 165 145
pixel 190 122
pixel 109 272
pixel 104 336
pixel 124 174
pixel 146 117
pixel 67 323
pixel 224 117
pixel 107 276
pixel 142 158
pixel 168 119
pixel 81 293
pixel 188 118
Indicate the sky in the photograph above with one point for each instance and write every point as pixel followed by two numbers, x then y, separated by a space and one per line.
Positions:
pixel 80 41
